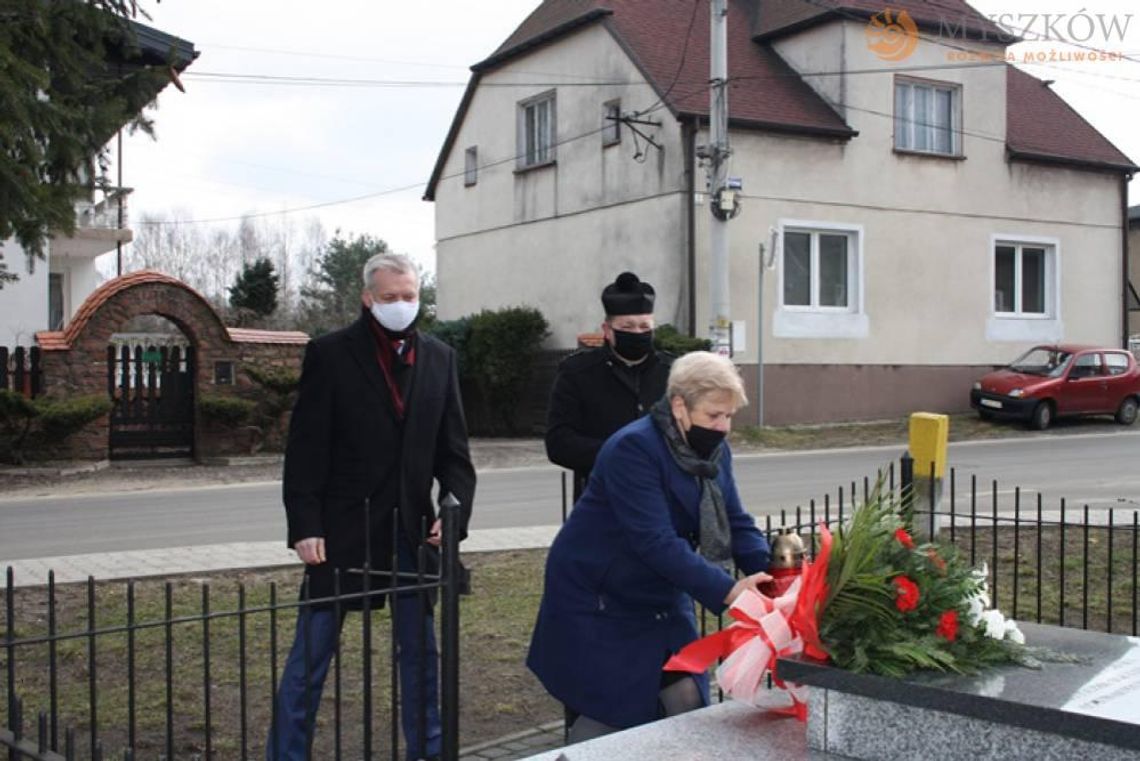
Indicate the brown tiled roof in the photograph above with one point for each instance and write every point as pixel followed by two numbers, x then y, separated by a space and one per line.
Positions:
pixel 57 340
pixel 547 20
pixel 1040 126
pixel 61 340
pixel 779 17
pixel 766 91
pixel 52 340
pixel 251 336
pixel 591 340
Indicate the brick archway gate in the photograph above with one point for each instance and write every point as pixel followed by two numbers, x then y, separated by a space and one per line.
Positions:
pixel 154 389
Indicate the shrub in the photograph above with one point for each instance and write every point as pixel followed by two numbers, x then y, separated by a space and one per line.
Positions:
pixel 59 418
pixel 454 333
pixel 226 410
pixel 276 379
pixel 668 338
pixel 32 425
pixel 500 352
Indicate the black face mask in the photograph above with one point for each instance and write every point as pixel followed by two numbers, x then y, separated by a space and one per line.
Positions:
pixel 633 346
pixel 704 441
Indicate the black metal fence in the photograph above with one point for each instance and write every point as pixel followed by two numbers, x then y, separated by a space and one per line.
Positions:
pixel 166 676
pixel 20 371
pixel 1047 561
pixel 193 674
pixel 1050 562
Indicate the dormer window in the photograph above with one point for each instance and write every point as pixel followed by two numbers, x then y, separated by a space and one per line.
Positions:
pixel 928 117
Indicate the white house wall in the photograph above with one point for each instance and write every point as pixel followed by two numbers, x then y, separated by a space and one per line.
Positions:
pixel 23 304
pixel 927 224
pixel 80 278
pixel 553 237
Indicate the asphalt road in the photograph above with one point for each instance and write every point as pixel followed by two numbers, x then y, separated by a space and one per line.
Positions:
pixel 1101 470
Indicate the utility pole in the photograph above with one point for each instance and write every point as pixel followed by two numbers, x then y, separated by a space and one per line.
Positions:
pixel 119 198
pixel 722 199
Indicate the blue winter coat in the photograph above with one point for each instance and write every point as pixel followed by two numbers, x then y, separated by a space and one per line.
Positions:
pixel 622 575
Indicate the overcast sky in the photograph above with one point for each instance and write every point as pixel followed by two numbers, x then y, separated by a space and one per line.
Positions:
pixel 232 146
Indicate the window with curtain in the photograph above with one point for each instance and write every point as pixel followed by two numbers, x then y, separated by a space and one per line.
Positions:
pixel 536 130
pixel 927 117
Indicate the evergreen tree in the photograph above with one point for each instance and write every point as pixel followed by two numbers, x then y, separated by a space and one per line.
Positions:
pixel 71 75
pixel 255 289
pixel 334 298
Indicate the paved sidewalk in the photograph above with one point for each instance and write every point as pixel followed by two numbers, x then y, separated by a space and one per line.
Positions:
pixel 219 557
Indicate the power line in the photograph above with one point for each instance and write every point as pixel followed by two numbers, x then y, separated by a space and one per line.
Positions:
pixel 313 81
pixel 377 194
pixel 680 63
pixel 317 81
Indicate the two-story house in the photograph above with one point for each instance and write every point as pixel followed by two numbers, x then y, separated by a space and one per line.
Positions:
pixel 926 210
pixel 46 297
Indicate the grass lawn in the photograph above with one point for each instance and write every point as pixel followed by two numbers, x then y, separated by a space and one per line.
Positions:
pixel 498 695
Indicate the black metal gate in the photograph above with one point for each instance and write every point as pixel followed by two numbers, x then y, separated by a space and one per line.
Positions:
pixel 152 389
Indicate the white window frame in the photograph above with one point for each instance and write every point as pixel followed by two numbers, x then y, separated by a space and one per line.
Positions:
pixel 471 166
pixel 611 127
pixel 912 123
pixel 524 158
pixel 1026 326
pixel 815 321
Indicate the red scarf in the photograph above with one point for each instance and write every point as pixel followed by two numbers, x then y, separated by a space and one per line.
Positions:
pixel 386 355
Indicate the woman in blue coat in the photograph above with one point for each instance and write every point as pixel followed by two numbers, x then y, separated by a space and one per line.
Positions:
pixel 658 526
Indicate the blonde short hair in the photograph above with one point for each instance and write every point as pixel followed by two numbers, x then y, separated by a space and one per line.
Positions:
pixel 700 373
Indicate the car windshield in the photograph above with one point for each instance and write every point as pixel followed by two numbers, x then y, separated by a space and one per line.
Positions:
pixel 1046 362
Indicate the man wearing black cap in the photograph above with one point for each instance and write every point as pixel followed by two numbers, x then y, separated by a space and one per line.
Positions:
pixel 598 391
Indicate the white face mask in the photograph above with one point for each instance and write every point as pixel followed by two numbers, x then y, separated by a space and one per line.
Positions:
pixel 397 315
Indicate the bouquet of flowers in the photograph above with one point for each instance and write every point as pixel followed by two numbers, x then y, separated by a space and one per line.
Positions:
pixel 873 600
pixel 894 606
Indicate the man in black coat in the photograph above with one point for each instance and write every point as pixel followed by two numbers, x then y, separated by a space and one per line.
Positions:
pixel 377 419
pixel 598 391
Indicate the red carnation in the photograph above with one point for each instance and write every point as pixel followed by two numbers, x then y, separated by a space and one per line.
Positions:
pixel 904 538
pixel 948 625
pixel 907 594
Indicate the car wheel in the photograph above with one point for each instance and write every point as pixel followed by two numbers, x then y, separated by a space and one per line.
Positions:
pixel 1126 415
pixel 985 414
pixel 1042 416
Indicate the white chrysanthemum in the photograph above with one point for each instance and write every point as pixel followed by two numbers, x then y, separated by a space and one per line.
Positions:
pixel 1012 633
pixel 994 623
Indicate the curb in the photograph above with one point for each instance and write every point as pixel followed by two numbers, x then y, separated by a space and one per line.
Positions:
pixel 541 729
pixel 69 468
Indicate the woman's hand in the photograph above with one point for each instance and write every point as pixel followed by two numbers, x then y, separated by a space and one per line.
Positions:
pixel 748 582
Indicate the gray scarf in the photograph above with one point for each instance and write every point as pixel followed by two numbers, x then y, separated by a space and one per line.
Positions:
pixel 715 541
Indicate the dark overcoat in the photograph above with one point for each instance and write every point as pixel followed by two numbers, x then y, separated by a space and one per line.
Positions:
pixel 594 396
pixel 347 445
pixel 621 577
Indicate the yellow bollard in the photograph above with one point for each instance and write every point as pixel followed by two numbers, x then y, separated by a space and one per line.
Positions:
pixel 929 435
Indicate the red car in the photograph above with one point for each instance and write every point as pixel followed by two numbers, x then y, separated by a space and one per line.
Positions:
pixel 1058 381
